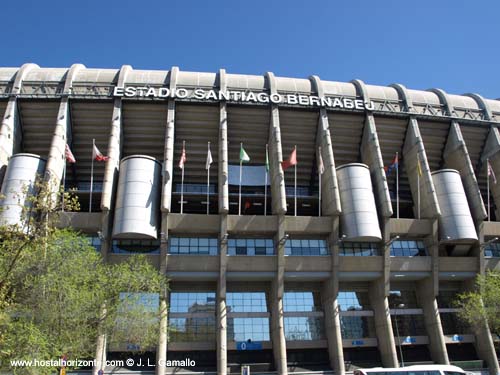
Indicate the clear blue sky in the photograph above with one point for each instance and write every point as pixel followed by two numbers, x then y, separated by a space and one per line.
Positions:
pixel 450 44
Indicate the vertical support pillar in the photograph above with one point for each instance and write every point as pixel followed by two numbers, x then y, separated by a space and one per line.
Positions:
pixel 221 301
pixel 491 152
pixel 168 154
pixel 10 127
pixel 383 325
pixel 277 291
pixel 427 300
pixel 278 191
pixel 223 152
pixel 161 351
pixel 329 295
pixel 55 163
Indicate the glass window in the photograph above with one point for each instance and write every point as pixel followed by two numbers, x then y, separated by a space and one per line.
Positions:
pixel 492 250
pixel 244 329
pixel 193 246
pixel 302 328
pixel 301 301
pixel 250 246
pixel 408 325
pixel 192 302
pixel 408 298
pixel 95 241
pixel 192 329
pixel 357 327
pixel 246 302
pixel 350 300
pixel 408 248
pixel 306 247
pixel 446 298
pixel 136 246
pixel 358 248
pixel 452 324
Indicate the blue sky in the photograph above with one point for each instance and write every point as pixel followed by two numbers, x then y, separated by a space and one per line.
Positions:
pixel 450 44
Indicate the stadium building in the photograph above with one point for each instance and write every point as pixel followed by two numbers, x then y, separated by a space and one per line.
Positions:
pixel 343 245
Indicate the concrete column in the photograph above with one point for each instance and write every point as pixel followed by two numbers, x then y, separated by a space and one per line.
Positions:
pixel 427 300
pixel 457 157
pixel 114 146
pixel 383 326
pixel 491 151
pixel 10 130
pixel 277 291
pixel 55 163
pixel 221 301
pixel 161 351
pixel 168 154
pixel 223 153
pixel 100 352
pixel 414 151
pixel 278 192
pixel 329 295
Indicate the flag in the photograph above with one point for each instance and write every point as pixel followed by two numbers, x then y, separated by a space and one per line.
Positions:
pixel 267 159
pixel 321 166
pixel 183 156
pixel 70 158
pixel 244 158
pixel 97 155
pixel 292 159
pixel 392 166
pixel 209 157
pixel 419 167
pixel 491 173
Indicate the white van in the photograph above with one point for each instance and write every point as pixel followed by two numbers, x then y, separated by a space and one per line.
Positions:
pixel 413 370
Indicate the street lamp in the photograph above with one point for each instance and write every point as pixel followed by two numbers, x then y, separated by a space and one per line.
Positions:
pixel 400 306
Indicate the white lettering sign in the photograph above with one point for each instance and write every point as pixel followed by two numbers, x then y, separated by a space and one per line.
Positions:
pixel 242 96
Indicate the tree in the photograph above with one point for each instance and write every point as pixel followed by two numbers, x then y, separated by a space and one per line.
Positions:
pixel 53 286
pixel 482 303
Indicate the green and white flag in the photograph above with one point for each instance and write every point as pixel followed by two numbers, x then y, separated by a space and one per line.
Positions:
pixel 244 158
pixel 267 159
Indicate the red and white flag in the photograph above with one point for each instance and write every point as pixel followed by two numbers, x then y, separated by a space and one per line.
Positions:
pixel 70 158
pixel 491 173
pixel 291 161
pixel 97 155
pixel 183 156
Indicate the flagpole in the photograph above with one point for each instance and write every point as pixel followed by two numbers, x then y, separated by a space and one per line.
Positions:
pixel 265 185
pixel 419 168
pixel 295 182
pixel 488 184
pixel 182 177
pixel 319 184
pixel 239 192
pixel 92 175
pixel 397 186
pixel 208 181
pixel 64 182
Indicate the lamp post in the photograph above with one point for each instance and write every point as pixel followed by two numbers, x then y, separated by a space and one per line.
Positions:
pixel 400 306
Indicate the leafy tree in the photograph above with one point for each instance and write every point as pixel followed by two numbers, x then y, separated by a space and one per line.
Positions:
pixel 54 285
pixel 483 302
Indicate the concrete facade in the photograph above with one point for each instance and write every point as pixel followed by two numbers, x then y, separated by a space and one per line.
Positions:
pixel 360 129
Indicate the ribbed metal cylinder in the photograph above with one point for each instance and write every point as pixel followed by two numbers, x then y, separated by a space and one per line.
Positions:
pixel 138 198
pixel 359 220
pixel 18 185
pixel 455 223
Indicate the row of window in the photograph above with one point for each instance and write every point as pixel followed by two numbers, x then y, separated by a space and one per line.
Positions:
pixel 265 246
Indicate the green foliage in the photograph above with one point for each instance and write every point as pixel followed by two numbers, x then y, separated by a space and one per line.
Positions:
pixel 483 302
pixel 57 294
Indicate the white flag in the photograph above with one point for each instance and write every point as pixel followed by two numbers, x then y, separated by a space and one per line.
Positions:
pixel 209 158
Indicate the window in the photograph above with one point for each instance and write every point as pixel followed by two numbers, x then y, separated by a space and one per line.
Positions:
pixel 301 301
pixel 446 299
pixel 195 188
pixel 492 250
pixel 192 329
pixel 193 245
pixel 95 242
pixel 246 302
pixel 192 302
pixel 306 247
pixel 408 325
pixel 244 329
pixel 353 301
pixel 136 246
pixel 357 327
pixel 406 297
pixel 250 246
pixel 408 248
pixel 304 328
pixel 358 248
pixel 452 325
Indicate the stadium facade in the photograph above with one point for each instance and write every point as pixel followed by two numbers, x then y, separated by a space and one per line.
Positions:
pixel 329 264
